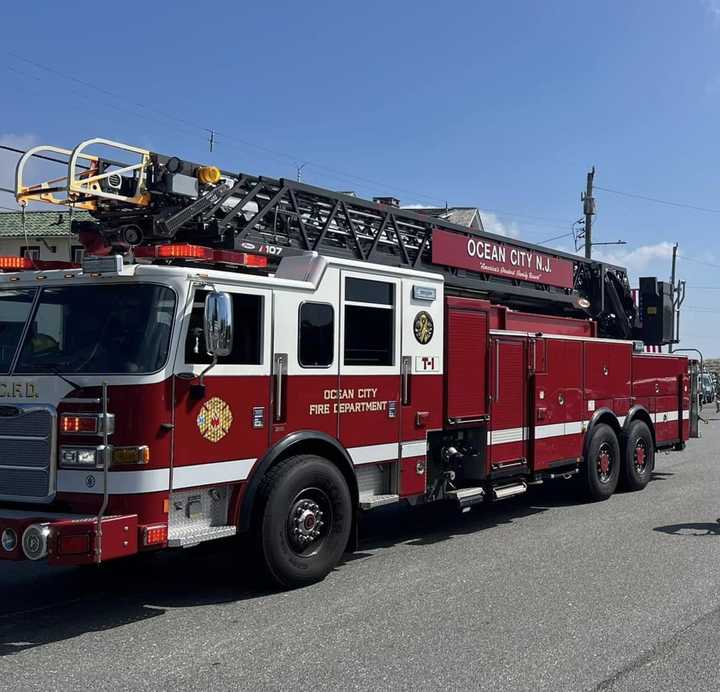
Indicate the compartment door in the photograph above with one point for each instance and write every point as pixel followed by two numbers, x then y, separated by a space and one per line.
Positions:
pixel 508 411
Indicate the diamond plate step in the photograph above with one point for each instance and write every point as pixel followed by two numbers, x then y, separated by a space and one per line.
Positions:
pixel 468 496
pixel 187 536
pixel 369 501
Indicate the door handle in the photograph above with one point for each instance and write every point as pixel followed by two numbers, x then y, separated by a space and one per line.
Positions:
pixel 280 362
pixel 406 369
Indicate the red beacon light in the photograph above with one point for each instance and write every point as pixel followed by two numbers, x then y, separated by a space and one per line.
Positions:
pixel 10 263
pixel 175 251
pixel 202 254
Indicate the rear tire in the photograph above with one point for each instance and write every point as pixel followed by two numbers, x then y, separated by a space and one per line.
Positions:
pixel 303 522
pixel 638 456
pixel 602 463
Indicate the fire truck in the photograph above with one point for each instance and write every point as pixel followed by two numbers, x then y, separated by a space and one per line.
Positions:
pixel 243 355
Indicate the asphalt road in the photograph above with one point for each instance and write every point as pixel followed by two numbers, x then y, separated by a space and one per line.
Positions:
pixel 539 592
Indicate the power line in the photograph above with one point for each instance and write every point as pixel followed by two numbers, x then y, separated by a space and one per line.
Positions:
pixel 682 205
pixel 557 237
pixel 697 261
pixel 37 156
pixel 232 139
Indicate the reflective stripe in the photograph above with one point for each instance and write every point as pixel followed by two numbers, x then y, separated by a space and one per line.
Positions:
pixel 507 435
pixel 119 482
pixel 666 416
pixel 208 474
pixel 153 480
pixel 413 449
pixel 371 453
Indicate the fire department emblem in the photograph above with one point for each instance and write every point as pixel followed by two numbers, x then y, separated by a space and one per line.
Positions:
pixel 423 327
pixel 214 419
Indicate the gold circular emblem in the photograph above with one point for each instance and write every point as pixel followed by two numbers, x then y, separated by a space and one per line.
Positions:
pixel 214 419
pixel 423 327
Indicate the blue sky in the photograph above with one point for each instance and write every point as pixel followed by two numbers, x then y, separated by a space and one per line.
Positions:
pixel 503 105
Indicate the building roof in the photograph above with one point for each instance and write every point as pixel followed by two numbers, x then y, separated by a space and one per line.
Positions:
pixel 462 216
pixel 43 224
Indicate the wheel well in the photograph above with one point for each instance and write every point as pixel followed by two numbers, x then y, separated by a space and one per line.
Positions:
pixel 642 414
pixel 326 450
pixel 601 416
pixel 319 444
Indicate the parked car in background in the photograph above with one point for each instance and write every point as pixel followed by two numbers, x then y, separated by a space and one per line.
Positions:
pixel 707 395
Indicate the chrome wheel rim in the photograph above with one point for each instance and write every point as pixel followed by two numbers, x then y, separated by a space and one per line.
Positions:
pixel 605 463
pixel 309 521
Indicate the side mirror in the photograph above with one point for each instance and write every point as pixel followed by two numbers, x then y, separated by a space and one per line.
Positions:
pixel 218 324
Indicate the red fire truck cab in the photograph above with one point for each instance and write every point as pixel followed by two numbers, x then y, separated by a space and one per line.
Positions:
pixel 168 393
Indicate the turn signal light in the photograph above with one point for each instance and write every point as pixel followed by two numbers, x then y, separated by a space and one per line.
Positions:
pixel 155 535
pixel 79 424
pixel 130 456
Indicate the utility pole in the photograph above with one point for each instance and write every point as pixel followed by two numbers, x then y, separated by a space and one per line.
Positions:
pixel 589 210
pixel 300 170
pixel 678 296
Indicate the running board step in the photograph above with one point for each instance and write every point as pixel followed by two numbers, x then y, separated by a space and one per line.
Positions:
pixel 502 492
pixel 467 497
pixel 373 501
pixel 188 536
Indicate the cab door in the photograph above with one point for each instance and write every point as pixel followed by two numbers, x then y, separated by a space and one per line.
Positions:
pixel 306 335
pixel 228 421
pixel 367 398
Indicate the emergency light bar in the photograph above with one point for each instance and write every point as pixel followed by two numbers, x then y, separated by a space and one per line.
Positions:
pixel 201 253
pixel 10 263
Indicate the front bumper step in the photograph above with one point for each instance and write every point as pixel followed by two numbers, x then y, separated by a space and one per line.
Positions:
pixel 67 539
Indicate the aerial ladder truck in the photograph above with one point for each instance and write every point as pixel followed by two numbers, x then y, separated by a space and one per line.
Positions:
pixel 243 355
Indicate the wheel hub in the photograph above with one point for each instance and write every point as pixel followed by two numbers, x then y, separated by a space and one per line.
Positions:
pixel 640 455
pixel 605 463
pixel 306 522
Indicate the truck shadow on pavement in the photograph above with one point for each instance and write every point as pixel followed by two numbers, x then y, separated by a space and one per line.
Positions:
pixel 44 605
pixel 691 529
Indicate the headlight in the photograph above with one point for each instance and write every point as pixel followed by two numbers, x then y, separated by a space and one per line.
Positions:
pixel 35 541
pixel 79 457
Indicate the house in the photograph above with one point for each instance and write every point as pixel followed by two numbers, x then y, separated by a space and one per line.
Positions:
pixel 462 216
pixel 44 235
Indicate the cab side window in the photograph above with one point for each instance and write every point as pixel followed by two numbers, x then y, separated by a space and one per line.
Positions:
pixel 247 333
pixel 316 340
pixel 369 322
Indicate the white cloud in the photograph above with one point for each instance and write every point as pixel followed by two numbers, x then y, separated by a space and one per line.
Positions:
pixel 492 224
pixel 639 260
pixel 8 160
pixel 713 7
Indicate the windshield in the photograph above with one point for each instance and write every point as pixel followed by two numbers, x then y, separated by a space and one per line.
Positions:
pixel 112 329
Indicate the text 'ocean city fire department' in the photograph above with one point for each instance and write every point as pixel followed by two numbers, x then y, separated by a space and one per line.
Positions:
pixel 245 355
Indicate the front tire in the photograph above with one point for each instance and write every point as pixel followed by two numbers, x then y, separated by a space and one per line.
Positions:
pixel 638 456
pixel 602 463
pixel 304 520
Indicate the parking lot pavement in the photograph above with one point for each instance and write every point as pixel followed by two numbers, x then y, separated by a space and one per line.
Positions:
pixel 539 592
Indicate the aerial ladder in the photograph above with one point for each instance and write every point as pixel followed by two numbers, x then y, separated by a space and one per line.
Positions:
pixel 138 199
